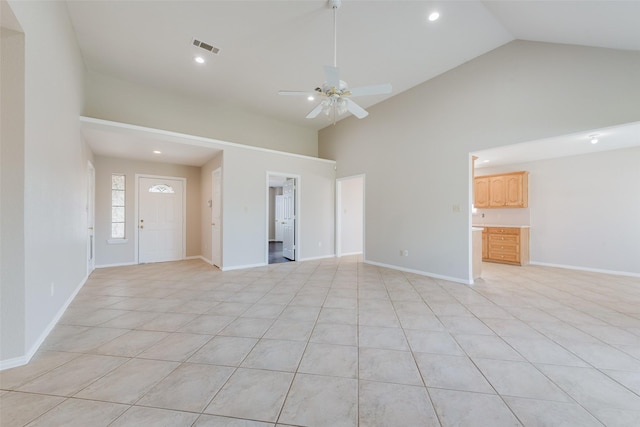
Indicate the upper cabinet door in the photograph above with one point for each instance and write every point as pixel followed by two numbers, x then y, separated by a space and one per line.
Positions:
pixel 481 192
pixel 515 194
pixel 497 191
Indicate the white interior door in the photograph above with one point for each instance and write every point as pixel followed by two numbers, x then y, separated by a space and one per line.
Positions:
pixel 160 219
pixel 216 218
pixel 279 218
pixel 289 219
pixel 91 218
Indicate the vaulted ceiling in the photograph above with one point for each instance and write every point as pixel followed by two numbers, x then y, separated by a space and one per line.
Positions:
pixel 269 45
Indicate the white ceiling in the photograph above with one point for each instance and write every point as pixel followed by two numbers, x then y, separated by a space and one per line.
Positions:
pixel 270 45
pixel 612 138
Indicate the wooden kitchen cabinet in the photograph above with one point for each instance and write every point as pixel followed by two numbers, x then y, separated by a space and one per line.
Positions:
pixel 508 245
pixel 510 190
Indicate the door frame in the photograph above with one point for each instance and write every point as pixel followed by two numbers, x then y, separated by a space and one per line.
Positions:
pixel 338 204
pixel 221 216
pixel 137 211
pixel 91 217
pixel 298 218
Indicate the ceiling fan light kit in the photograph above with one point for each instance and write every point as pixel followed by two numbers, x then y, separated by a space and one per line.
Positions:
pixel 335 92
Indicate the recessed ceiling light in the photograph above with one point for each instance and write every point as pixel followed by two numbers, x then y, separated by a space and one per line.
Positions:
pixel 486 161
pixel 157 152
pixel 199 59
pixel 433 16
pixel 310 98
pixel 593 138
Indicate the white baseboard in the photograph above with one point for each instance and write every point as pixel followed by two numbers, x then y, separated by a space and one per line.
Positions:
pixel 419 272
pixel 592 270
pixel 350 254
pixel 23 360
pixel 317 258
pixel 120 264
pixel 208 261
pixel 240 267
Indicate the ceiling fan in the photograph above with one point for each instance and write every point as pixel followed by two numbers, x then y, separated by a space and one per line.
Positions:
pixel 335 93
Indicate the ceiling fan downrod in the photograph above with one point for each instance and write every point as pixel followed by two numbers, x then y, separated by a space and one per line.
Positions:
pixel 335 5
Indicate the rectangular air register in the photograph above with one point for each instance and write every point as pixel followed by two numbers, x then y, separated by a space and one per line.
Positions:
pixel 206 46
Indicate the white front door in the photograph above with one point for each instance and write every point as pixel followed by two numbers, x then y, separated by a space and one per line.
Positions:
pixel 216 218
pixel 279 218
pixel 91 218
pixel 160 219
pixel 289 219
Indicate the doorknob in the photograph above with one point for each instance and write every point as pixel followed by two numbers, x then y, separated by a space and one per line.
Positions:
pixel 213 223
pixel 142 226
pixel 90 228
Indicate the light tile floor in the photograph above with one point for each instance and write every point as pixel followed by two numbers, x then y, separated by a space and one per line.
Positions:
pixel 335 343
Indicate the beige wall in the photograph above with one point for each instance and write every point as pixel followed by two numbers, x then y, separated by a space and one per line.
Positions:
pixel 414 147
pixel 12 291
pixel 113 99
pixel 118 254
pixel 55 178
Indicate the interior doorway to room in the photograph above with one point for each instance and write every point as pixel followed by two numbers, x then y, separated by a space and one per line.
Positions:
pixel 282 218
pixel 350 215
pixel 160 223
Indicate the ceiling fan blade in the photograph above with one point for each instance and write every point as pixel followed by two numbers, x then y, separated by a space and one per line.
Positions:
pixel 295 92
pixel 333 76
pixel 355 109
pixel 314 113
pixel 371 90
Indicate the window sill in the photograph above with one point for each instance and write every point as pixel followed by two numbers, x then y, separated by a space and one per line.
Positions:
pixel 117 241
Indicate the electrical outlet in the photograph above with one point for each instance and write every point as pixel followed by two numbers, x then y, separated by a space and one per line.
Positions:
pixel 456 208
pixel 404 252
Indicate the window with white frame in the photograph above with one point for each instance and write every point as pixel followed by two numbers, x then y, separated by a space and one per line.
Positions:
pixel 117 206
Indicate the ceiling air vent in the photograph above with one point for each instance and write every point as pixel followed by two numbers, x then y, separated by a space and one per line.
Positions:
pixel 206 46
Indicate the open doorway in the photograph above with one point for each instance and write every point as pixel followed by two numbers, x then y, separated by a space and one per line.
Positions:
pixel 282 218
pixel 350 216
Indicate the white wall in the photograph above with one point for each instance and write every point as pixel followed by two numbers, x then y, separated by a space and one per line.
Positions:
pixel 351 215
pixel 113 99
pixel 585 210
pixel 119 254
pixel 55 175
pixel 244 192
pixel 414 147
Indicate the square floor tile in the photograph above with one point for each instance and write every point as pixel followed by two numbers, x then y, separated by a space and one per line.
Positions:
pixel 189 388
pixel 384 404
pixel 465 409
pixel 140 416
pixel 217 421
pixel 129 382
pixel 379 337
pixel 520 379
pixel 68 379
pixel 316 400
pixel 18 409
pixel 81 413
pixel 227 351
pixel 275 355
pixel 540 413
pixel 176 347
pixel 253 394
pixel 452 372
pixel 335 333
pixel 388 366
pixel 330 359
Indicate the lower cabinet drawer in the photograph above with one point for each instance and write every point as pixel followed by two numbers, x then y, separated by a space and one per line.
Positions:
pixel 506 257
